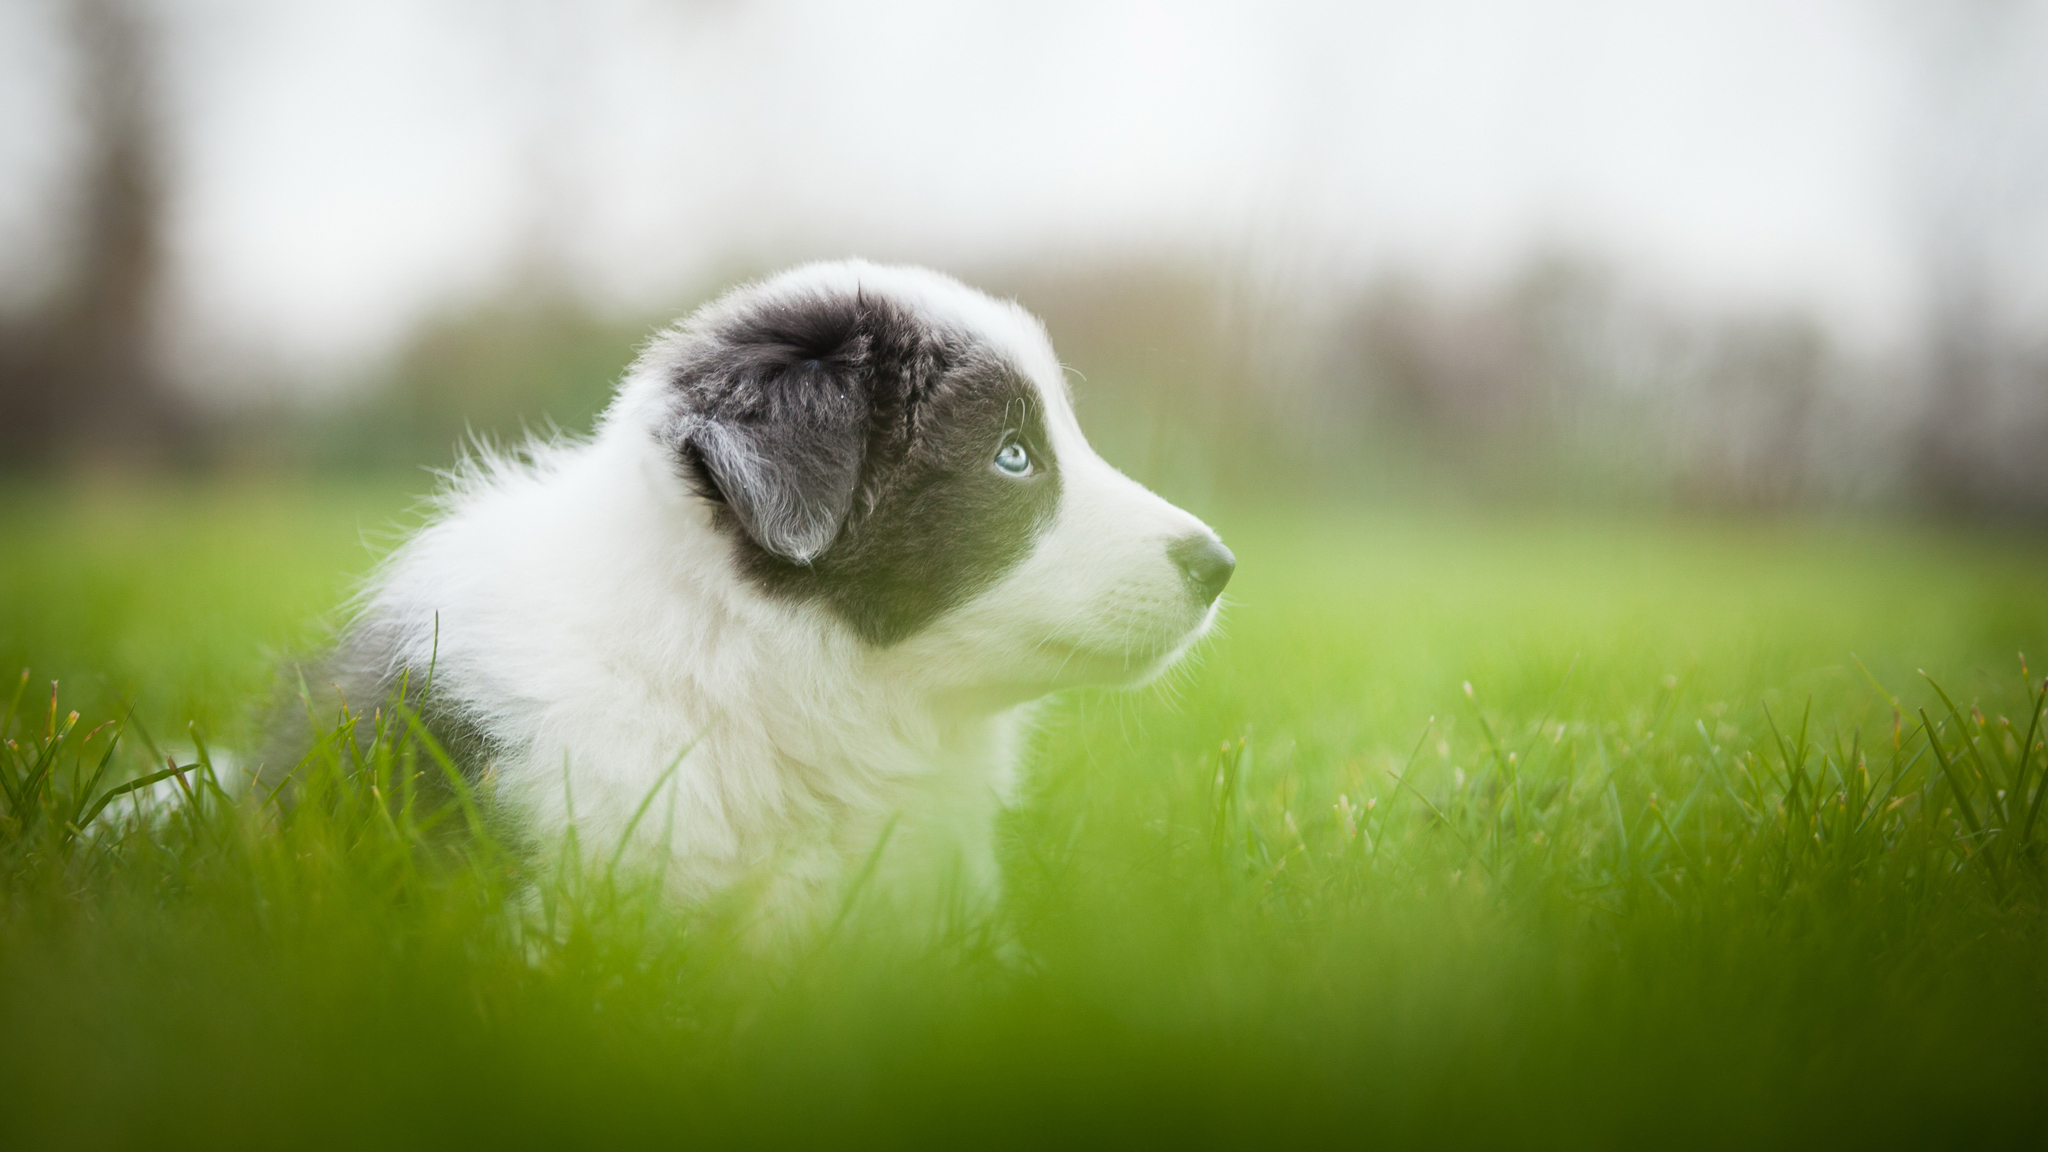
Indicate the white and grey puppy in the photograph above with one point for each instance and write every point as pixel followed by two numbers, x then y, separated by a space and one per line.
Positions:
pixel 833 536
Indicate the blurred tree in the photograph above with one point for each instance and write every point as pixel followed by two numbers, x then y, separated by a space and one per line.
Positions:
pixel 82 379
pixel 1748 411
pixel 1981 178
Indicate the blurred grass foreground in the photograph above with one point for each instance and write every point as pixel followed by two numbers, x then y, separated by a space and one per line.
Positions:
pixel 1554 830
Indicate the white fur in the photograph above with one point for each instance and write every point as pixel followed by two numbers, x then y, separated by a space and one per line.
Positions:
pixel 592 616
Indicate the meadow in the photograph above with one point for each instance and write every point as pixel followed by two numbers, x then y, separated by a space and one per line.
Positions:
pixel 1534 828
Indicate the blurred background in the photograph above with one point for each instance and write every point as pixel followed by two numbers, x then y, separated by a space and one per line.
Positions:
pixel 1723 254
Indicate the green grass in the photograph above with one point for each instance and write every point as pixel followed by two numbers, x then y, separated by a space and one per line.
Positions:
pixel 1682 867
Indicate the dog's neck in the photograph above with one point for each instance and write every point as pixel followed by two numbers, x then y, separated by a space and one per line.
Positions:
pixel 780 716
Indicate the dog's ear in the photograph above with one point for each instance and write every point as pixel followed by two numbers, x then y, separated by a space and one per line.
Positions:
pixel 783 449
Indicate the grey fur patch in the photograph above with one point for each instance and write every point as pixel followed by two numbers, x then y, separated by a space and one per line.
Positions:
pixel 788 467
pixel 361 678
pixel 847 440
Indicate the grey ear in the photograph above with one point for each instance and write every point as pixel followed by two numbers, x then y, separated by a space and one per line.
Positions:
pixel 786 464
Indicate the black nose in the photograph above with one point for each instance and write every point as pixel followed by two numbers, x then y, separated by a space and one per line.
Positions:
pixel 1206 561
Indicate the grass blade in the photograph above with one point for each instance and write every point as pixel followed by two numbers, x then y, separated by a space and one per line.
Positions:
pixel 120 790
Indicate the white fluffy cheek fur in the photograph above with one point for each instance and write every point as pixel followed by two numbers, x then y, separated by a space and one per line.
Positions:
pixel 1098 600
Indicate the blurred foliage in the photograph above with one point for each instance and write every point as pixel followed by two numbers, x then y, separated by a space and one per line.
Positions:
pixel 1561 385
pixel 522 364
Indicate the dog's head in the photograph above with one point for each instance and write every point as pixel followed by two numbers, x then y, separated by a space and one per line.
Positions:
pixel 902 450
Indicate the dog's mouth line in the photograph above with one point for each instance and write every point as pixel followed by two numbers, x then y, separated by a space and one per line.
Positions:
pixel 1131 656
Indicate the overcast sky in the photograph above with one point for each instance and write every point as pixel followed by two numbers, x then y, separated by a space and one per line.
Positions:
pixel 342 166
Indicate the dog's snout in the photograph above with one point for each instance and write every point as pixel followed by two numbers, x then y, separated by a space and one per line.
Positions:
pixel 1206 561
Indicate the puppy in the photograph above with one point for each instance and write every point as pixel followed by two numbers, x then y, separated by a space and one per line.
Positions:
pixel 784 615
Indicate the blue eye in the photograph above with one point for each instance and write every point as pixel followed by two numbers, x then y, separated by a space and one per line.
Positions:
pixel 1013 460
